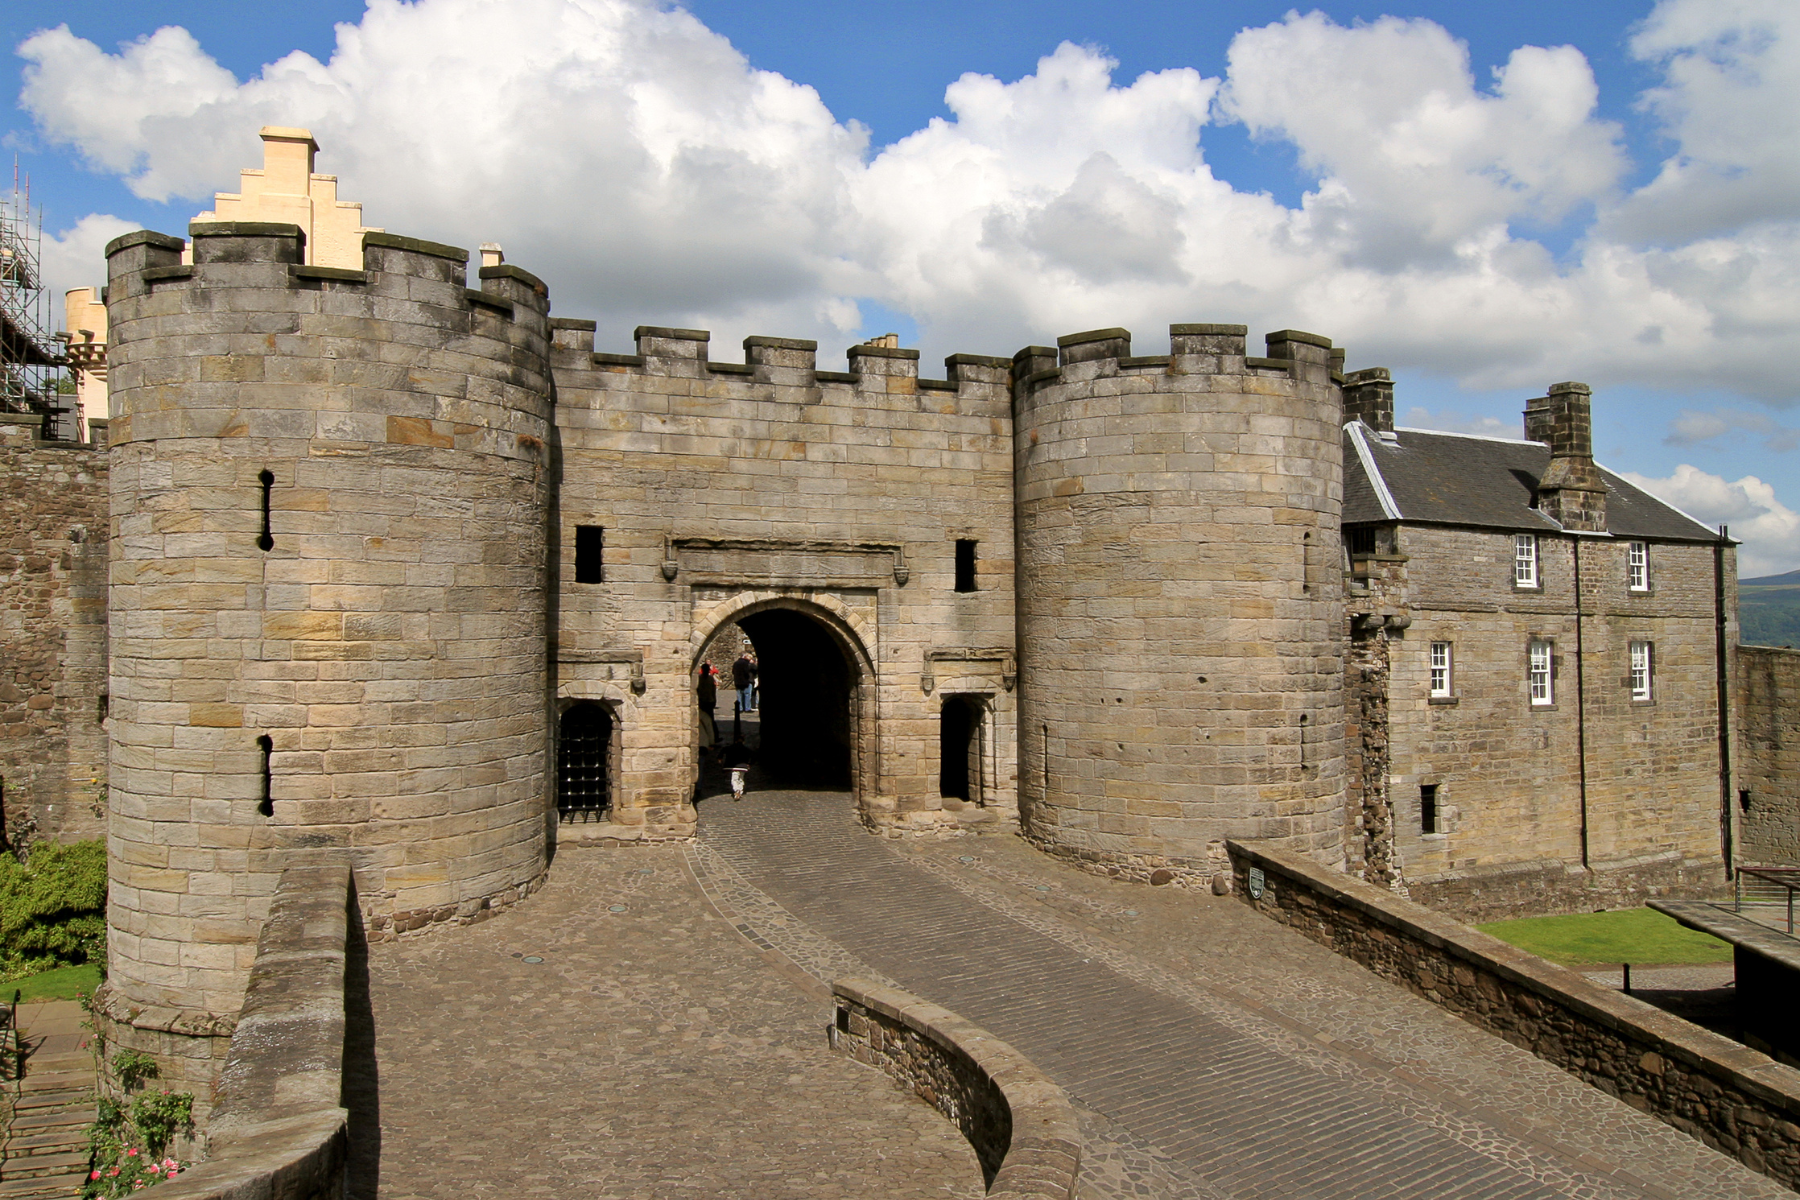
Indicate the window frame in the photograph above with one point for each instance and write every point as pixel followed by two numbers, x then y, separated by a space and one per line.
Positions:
pixel 1527 573
pixel 1447 688
pixel 1431 811
pixel 1544 674
pixel 966 574
pixel 1637 567
pixel 590 554
pixel 1642 671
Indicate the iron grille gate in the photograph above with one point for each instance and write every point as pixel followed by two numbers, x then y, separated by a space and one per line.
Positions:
pixel 584 748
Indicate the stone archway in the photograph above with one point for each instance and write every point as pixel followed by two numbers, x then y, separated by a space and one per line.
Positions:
pixel 818 705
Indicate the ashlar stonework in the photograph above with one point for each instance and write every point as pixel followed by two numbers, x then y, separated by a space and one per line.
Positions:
pixel 398 566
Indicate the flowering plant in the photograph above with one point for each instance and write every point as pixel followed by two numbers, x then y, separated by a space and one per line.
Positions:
pixel 132 1171
pixel 127 1143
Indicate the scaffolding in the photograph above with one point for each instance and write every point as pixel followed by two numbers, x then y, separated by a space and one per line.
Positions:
pixel 31 379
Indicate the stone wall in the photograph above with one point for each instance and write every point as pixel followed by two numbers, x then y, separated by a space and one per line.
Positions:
pixel 280 1126
pixel 1734 1099
pixel 1768 769
pixel 1021 1125
pixel 328 595
pixel 1512 833
pixel 728 492
pixel 1180 597
pixel 53 542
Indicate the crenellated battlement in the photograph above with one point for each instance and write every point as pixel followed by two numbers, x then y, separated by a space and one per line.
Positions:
pixel 393 266
pixel 789 366
pixel 1194 349
pixel 263 344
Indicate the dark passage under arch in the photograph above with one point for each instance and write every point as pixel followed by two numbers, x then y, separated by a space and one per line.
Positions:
pixel 804 707
pixel 584 762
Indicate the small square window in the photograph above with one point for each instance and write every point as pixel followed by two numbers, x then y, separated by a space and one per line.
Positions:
pixel 1525 560
pixel 965 564
pixel 1440 668
pixel 1643 671
pixel 1539 673
pixel 590 544
pixel 1361 542
pixel 1638 570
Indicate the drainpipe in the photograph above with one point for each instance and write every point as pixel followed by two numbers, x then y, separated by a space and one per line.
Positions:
pixel 1724 695
pixel 1580 709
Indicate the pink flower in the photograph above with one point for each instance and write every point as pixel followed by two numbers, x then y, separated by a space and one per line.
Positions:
pixel 95 1174
pixel 132 1152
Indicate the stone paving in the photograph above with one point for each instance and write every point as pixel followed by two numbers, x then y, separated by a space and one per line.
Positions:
pixel 661 1051
pixel 1215 1053
pixel 652 1053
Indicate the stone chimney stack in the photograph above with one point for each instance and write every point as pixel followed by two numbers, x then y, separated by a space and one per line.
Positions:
pixel 1571 491
pixel 1369 398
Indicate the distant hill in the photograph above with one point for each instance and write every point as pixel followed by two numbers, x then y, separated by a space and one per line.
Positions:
pixel 1769 610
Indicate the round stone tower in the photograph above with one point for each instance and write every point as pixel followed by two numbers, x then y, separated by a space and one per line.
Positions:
pixel 1180 594
pixel 330 490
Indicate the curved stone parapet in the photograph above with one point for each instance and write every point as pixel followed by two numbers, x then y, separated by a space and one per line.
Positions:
pixel 279 1128
pixel 1021 1124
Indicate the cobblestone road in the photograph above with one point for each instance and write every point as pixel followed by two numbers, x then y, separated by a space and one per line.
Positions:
pixel 1214 1053
pixel 652 1052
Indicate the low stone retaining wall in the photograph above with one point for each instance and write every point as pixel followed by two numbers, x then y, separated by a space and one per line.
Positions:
pixel 1732 1098
pixel 279 1130
pixel 1021 1125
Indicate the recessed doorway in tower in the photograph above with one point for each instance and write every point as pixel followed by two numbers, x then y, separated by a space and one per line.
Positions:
pixel 961 748
pixel 804 726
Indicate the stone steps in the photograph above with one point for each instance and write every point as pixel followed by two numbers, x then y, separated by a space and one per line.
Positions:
pixel 44 1147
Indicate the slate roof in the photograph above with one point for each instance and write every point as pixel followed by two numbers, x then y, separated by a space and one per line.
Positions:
pixel 1457 479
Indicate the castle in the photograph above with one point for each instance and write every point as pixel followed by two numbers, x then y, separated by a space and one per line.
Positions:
pixel 401 568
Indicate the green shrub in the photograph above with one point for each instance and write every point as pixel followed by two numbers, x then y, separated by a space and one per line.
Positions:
pixel 52 908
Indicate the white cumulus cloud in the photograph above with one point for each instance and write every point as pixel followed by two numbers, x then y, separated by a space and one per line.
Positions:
pixel 76 257
pixel 1769 529
pixel 1730 100
pixel 651 173
pixel 1414 158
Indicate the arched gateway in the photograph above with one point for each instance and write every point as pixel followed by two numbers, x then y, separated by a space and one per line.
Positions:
pixel 818 710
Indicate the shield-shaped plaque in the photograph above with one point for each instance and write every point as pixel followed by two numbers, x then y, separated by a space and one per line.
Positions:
pixel 1256 883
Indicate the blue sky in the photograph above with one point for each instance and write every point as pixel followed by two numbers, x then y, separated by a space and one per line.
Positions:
pixel 1581 216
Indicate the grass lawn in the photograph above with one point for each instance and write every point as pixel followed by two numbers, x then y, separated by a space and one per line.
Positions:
pixel 1631 935
pixel 59 984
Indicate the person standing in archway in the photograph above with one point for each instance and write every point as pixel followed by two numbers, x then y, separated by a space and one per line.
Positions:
pixel 743 674
pixel 755 681
pixel 708 693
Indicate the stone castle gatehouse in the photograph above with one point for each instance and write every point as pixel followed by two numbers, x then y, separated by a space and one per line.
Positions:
pixel 395 560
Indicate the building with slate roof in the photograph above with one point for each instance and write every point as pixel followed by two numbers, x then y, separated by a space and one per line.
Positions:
pixel 1535 666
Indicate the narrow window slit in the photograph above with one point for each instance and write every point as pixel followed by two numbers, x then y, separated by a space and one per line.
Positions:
pixel 1428 808
pixel 267 539
pixel 266 744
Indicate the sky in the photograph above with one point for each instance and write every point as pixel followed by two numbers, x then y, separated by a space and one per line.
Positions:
pixel 1487 199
